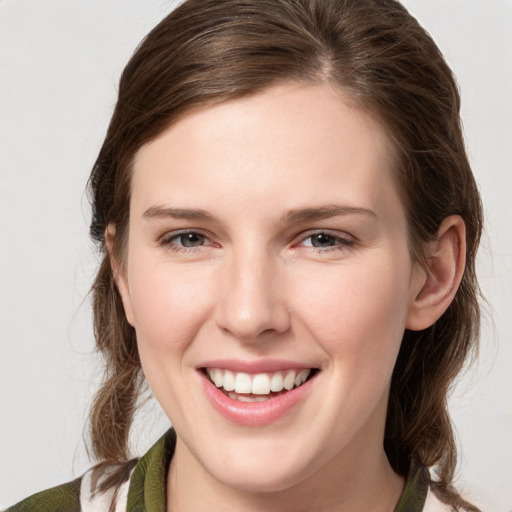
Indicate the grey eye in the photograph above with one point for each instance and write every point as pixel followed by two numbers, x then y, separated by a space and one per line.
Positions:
pixel 323 240
pixel 191 239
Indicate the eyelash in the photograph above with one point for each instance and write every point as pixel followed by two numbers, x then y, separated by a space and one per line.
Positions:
pixel 341 243
pixel 167 240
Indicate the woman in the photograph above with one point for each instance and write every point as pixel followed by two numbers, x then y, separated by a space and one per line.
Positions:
pixel 289 225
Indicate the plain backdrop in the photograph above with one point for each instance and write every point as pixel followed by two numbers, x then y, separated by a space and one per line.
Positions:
pixel 60 62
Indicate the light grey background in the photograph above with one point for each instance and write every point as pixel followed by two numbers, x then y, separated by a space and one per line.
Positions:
pixel 60 61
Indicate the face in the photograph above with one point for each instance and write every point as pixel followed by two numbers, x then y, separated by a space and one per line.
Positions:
pixel 269 281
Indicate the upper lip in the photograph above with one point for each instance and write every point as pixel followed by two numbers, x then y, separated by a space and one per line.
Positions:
pixel 256 366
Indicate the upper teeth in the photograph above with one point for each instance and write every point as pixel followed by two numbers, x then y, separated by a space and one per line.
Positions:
pixel 257 384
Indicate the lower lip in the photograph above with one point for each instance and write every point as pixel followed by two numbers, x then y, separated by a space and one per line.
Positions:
pixel 254 413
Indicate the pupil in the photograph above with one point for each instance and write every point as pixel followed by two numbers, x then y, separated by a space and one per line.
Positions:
pixel 323 240
pixel 192 239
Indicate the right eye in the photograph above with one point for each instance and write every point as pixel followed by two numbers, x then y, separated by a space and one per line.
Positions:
pixel 189 239
pixel 184 241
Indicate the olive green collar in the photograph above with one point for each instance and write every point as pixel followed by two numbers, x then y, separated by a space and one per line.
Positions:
pixel 148 481
pixel 415 491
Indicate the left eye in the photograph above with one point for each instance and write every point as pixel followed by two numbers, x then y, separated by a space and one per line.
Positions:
pixel 189 239
pixel 185 240
pixel 325 241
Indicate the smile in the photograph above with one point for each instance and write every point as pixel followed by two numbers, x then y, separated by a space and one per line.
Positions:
pixel 259 387
pixel 256 397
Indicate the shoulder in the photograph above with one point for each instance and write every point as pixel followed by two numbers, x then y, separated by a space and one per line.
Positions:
pixel 63 498
pixel 422 494
pixel 434 504
pixel 138 481
pixel 80 495
pixel 92 499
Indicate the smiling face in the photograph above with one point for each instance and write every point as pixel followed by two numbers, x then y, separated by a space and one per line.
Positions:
pixel 268 245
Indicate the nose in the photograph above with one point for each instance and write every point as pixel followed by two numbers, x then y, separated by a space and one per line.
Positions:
pixel 252 300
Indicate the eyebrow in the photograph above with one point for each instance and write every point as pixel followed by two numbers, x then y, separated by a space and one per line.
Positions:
pixel 293 216
pixel 160 212
pixel 324 212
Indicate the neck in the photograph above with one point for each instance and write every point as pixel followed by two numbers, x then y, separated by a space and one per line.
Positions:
pixel 359 478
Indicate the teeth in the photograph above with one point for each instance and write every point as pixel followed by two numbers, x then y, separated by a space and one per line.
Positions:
pixel 216 376
pixel 243 383
pixel 229 381
pixel 276 382
pixel 246 398
pixel 259 384
pixel 289 380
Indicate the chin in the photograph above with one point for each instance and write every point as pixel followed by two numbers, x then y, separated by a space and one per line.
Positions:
pixel 257 479
pixel 261 466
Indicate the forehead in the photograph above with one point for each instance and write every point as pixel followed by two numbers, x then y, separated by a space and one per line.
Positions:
pixel 286 145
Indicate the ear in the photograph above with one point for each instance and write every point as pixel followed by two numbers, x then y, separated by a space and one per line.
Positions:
pixel 445 258
pixel 119 272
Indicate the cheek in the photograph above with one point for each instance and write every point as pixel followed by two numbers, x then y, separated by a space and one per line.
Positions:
pixel 357 314
pixel 169 306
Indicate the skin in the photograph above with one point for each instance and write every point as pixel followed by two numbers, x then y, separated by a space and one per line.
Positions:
pixel 256 288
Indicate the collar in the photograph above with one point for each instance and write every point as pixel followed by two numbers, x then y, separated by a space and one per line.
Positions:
pixel 148 480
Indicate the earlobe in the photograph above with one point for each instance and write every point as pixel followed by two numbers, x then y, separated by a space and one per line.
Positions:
pixel 445 257
pixel 119 273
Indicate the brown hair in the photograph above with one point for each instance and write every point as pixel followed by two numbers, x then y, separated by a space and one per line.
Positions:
pixel 209 51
